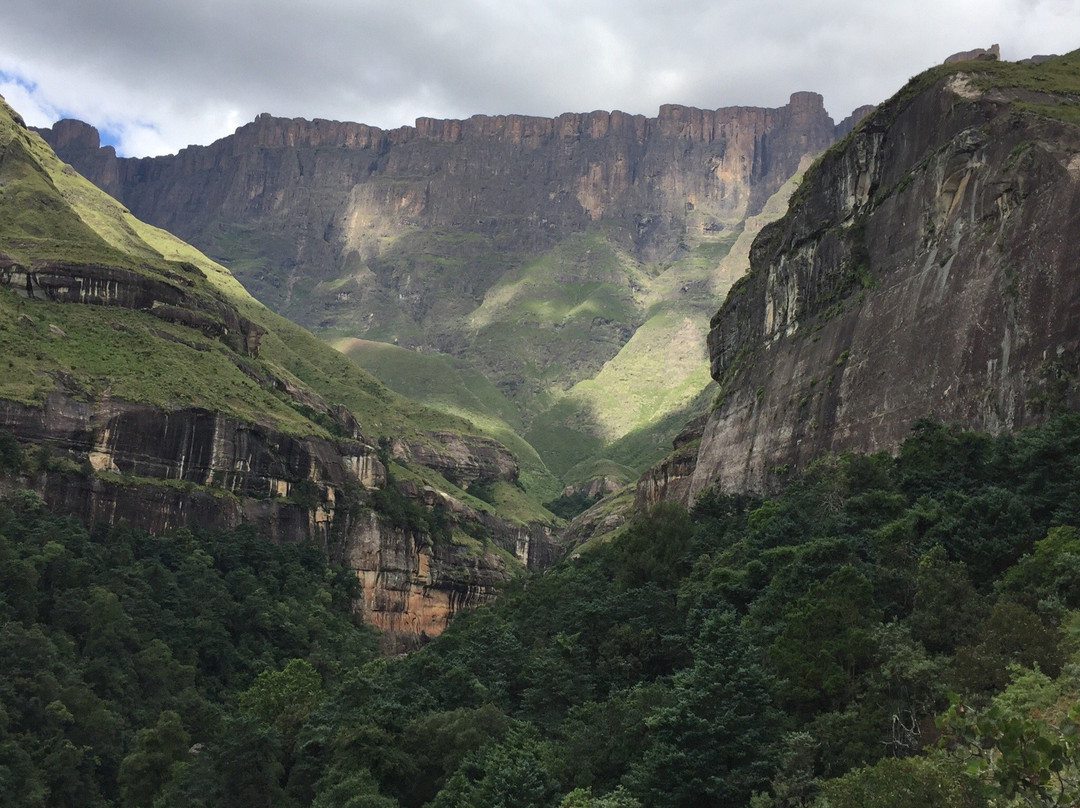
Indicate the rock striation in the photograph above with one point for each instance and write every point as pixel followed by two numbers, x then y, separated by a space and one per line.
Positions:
pixel 169 298
pixel 926 267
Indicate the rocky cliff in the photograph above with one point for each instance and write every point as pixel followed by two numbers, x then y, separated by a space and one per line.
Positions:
pixel 146 386
pixel 329 189
pixel 926 267
pixel 107 460
pixel 533 250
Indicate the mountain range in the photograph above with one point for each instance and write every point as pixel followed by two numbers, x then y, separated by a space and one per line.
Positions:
pixel 548 279
pixel 540 287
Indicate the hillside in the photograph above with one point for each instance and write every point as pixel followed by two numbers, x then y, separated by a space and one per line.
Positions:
pixel 796 650
pixel 550 256
pixel 159 392
pixel 926 266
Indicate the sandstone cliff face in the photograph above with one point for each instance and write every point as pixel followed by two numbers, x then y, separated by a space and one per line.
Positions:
pixel 109 460
pixel 412 589
pixel 927 267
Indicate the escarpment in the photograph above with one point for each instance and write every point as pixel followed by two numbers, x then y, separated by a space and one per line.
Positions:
pixel 399 235
pixel 532 180
pixel 926 267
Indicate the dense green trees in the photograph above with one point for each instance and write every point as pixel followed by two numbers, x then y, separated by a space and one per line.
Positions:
pixel 791 650
pixel 120 651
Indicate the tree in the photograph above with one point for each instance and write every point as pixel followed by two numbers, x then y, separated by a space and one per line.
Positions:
pixel 946 611
pixel 511 773
pixel 283 699
pixel 149 767
pixel 713 744
pixel 826 642
pixel 10 453
pixel 915 782
pixel 1031 759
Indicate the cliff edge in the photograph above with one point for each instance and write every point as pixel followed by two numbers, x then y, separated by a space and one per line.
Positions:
pixel 927 266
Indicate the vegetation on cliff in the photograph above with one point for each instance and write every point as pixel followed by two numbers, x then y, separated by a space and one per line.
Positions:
pixel 792 651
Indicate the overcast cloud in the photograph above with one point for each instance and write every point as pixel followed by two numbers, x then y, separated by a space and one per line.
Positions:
pixel 156 75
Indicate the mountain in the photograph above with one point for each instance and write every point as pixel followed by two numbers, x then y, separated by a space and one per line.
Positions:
pixel 545 260
pixel 145 385
pixel 895 628
pixel 925 267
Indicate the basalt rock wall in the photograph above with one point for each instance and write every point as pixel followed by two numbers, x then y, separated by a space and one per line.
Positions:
pixel 310 198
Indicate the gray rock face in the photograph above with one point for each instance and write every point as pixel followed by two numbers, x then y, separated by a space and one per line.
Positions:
pixel 927 267
pixel 243 467
pixel 463 459
pixel 991 54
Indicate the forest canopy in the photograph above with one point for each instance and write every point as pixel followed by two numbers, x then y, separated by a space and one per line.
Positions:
pixel 885 630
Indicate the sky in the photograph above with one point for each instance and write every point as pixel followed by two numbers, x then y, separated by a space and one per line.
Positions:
pixel 157 75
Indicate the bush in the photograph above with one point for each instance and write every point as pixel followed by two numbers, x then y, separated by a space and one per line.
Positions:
pixel 10 454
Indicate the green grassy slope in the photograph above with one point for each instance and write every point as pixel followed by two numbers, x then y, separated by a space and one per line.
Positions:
pixel 444 385
pixel 51 212
pixel 630 410
pixel 631 365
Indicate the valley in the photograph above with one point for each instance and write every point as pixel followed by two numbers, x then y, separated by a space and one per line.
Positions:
pixel 816 386
pixel 543 260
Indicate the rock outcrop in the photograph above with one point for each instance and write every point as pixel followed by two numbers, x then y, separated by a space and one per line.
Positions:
pixel 413 588
pixel 169 298
pixel 462 459
pixel 670 479
pixel 991 54
pixel 926 267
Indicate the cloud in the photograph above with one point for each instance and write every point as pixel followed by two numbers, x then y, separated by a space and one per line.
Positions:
pixel 161 75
